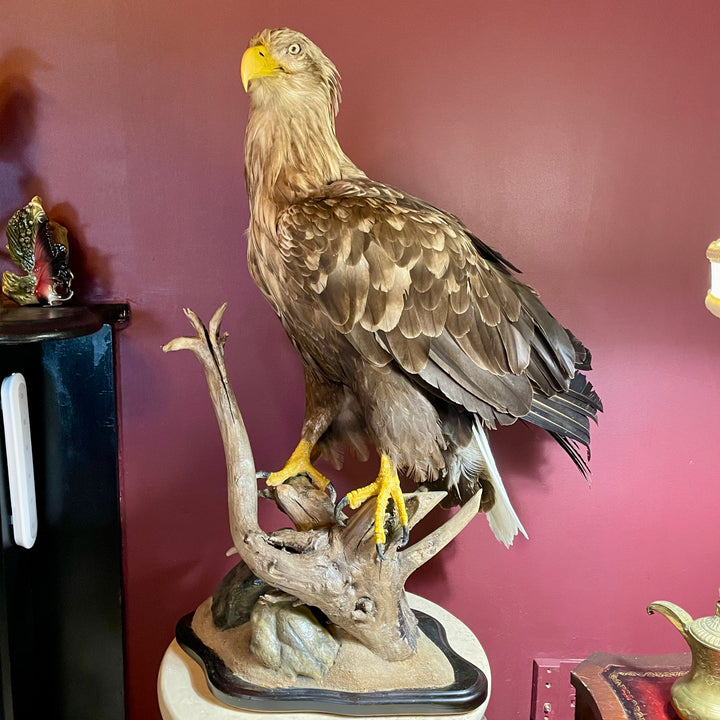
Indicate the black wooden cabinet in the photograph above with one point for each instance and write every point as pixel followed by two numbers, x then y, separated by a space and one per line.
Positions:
pixel 61 623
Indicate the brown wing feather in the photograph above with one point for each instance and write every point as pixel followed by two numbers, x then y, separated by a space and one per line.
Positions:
pixel 405 281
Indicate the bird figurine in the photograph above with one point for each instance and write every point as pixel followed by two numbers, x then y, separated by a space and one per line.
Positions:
pixel 39 246
pixel 415 335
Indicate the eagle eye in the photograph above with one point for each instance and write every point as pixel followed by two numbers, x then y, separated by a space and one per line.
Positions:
pixel 295 49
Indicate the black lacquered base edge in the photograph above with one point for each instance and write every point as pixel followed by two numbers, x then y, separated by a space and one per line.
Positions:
pixel 467 692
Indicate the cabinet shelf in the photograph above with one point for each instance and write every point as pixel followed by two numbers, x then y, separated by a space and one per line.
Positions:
pixel 33 323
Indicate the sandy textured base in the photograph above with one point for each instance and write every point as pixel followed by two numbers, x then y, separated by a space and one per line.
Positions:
pixel 355 670
pixel 183 692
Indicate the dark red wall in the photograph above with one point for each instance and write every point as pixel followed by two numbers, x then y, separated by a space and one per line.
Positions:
pixel 580 138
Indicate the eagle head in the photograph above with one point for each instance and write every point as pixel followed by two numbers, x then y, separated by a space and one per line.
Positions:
pixel 283 64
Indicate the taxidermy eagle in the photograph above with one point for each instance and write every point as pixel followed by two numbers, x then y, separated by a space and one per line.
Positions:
pixel 414 334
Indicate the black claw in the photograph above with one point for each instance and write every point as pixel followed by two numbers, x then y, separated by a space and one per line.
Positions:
pixel 380 549
pixel 333 494
pixel 262 475
pixel 405 536
pixel 340 518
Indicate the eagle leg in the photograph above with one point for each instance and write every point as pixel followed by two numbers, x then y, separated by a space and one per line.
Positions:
pixel 299 464
pixel 386 487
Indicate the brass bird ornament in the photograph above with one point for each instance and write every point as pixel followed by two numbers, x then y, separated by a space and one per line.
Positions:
pixel 39 246
pixel 415 335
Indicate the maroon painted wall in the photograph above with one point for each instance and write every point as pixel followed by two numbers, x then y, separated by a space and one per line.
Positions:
pixel 580 138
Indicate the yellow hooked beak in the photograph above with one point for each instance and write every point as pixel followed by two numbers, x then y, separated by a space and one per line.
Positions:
pixel 257 62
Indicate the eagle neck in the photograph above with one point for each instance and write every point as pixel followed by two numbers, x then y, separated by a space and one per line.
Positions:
pixel 289 154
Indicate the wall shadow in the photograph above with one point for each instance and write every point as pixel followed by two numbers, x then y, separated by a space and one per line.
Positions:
pixel 19 108
pixel 20 103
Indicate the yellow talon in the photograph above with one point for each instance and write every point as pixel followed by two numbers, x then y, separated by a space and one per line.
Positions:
pixel 298 464
pixel 386 486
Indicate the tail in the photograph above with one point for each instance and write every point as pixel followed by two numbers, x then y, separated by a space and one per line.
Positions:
pixel 469 462
pixel 470 465
pixel 502 517
pixel 566 416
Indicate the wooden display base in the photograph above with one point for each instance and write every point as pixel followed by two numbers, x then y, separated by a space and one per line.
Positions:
pixel 184 693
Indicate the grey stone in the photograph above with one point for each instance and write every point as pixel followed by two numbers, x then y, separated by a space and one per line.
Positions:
pixel 289 638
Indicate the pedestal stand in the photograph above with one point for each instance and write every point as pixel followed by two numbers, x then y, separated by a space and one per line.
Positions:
pixel 183 692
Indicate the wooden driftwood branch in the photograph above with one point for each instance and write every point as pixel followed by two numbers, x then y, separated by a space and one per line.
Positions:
pixel 323 564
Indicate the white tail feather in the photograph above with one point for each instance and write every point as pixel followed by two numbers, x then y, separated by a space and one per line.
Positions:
pixel 503 519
